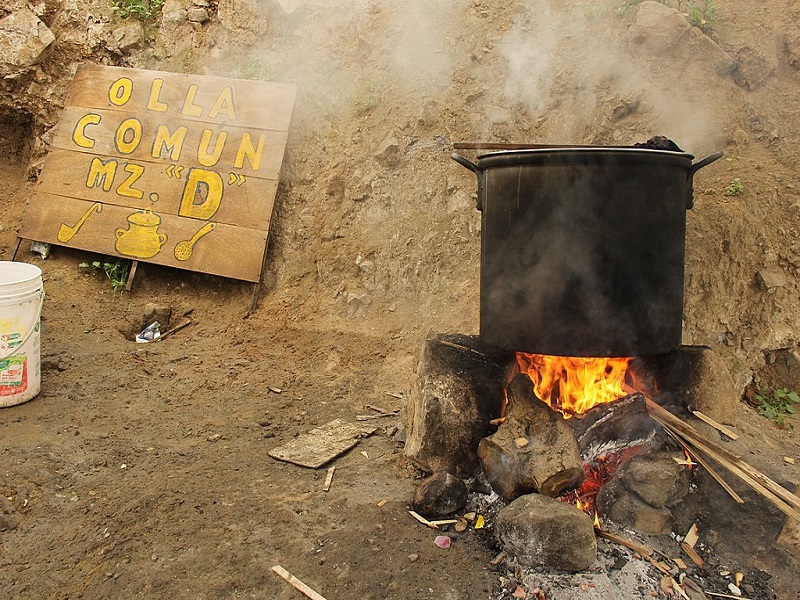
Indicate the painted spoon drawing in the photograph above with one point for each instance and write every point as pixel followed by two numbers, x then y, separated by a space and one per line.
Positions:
pixel 66 233
pixel 183 250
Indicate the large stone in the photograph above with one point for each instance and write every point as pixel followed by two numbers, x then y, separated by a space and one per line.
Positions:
pixel 656 478
pixel 533 450
pixel 618 504
pixel 541 532
pixel 458 388
pixel 23 39
pixel 440 494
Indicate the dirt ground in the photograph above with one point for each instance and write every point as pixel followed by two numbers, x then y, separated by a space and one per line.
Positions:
pixel 142 470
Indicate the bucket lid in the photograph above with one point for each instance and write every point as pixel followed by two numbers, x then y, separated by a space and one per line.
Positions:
pixel 18 277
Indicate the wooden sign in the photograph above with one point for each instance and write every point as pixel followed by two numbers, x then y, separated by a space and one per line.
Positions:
pixel 174 169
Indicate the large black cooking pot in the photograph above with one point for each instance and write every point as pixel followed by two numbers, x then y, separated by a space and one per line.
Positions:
pixel 582 250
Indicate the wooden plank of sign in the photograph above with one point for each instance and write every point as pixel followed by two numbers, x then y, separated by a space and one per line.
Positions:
pixel 235 252
pixel 248 204
pixel 259 104
pixel 101 139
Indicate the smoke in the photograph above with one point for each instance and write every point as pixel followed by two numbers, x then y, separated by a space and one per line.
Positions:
pixel 533 70
pixel 573 71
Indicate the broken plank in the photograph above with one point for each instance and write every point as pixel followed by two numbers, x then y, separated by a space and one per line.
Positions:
pixel 692 535
pixel 328 479
pixel 322 444
pixel 692 554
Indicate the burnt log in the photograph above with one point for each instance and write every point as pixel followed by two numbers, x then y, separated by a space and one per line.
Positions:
pixel 608 428
pixel 458 389
pixel 533 450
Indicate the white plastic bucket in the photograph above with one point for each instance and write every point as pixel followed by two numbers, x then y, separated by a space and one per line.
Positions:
pixel 21 298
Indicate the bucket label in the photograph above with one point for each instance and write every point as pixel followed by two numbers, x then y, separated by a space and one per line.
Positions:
pixel 9 341
pixel 13 375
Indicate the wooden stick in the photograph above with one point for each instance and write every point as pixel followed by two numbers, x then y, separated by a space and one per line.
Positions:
pixel 16 249
pixel 678 589
pixel 422 519
pixel 380 416
pixel 778 495
pixel 630 544
pixel 297 584
pixel 131 275
pixel 172 330
pixel 460 347
pixel 443 522
pixel 328 479
pixel 704 463
pixel 718 426
pixel 718 595
pixel 692 554
pixel 772 497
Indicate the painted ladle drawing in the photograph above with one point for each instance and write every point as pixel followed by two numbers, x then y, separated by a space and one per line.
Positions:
pixel 66 232
pixel 183 250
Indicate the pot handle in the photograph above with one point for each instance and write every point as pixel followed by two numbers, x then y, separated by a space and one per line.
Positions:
pixel 694 169
pixel 468 164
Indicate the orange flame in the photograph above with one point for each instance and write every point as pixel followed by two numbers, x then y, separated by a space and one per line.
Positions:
pixel 573 385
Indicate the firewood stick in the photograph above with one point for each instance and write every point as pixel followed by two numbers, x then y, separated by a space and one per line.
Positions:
pixel 704 463
pixel 775 499
pixel 645 551
pixel 460 347
pixel 775 493
pixel 728 457
pixel 297 584
pixel 678 589
pixel 444 522
pixel 630 544
pixel 328 479
pixel 692 554
pixel 719 427
pixel 422 519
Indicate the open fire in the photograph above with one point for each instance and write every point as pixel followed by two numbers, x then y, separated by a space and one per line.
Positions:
pixel 573 385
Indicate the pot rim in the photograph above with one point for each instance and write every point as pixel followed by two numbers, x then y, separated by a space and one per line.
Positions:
pixel 556 149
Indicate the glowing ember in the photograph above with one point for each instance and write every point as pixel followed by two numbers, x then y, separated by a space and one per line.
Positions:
pixel 573 385
pixel 598 472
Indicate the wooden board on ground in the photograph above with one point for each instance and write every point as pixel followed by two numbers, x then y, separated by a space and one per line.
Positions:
pixel 321 445
pixel 174 169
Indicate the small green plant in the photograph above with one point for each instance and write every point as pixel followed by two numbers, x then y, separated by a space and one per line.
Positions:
pixel 143 10
pixel 736 188
pixel 628 5
pixel 777 405
pixel 116 269
pixel 257 69
pixel 702 13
